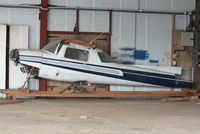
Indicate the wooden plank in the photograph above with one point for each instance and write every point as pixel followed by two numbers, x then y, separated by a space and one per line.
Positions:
pixel 101 94
pixel 82 43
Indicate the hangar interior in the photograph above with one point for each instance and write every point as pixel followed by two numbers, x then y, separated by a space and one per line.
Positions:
pixel 145 33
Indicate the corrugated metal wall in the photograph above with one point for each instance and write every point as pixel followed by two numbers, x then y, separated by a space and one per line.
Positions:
pixel 136 38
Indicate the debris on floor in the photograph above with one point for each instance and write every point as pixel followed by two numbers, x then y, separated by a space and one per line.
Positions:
pixel 83 117
pixel 185 98
pixel 6 101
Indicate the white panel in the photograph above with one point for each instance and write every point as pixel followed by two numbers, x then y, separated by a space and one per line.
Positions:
pixel 4 2
pixel 101 22
pixel 159 4
pixel 4 13
pixel 17 2
pixel 143 4
pixel 159 36
pixel 129 4
pixel 107 3
pixel 71 20
pixel 116 35
pixel 86 21
pixel 180 23
pixel 128 30
pixel 3 56
pixel 80 3
pixel 57 2
pixel 187 39
pixel 18 39
pixel 141 36
pixel 31 19
pixel 56 20
pixel 183 5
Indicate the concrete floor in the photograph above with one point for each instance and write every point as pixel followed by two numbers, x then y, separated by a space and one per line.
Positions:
pixel 62 116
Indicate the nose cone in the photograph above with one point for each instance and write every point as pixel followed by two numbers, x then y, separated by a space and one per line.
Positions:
pixel 14 55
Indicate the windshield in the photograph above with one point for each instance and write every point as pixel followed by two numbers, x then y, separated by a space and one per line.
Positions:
pixel 105 57
pixel 54 46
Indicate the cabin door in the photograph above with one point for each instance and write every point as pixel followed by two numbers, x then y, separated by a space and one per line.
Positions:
pixel 101 43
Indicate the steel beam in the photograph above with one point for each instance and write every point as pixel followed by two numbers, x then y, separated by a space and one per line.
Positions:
pixel 43 35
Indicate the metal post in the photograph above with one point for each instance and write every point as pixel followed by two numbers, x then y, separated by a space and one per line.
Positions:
pixel 43 35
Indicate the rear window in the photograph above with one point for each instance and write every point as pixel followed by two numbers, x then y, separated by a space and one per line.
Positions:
pixel 76 54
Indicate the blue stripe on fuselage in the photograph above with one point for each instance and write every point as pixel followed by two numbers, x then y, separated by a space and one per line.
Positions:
pixel 121 69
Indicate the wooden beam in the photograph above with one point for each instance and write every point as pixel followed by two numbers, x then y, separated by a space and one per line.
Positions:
pixel 101 94
pixel 82 43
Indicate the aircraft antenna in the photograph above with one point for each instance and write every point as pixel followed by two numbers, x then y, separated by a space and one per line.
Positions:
pixel 96 38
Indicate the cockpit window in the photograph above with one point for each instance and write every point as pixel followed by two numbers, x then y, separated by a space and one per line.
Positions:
pixel 54 46
pixel 105 57
pixel 76 54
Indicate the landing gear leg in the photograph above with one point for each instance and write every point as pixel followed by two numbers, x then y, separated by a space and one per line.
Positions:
pixel 77 87
pixel 29 73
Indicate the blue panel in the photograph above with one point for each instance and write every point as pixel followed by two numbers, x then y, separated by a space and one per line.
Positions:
pixel 141 54
pixel 153 61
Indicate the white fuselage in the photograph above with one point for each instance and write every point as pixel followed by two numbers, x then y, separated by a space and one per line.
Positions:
pixel 58 67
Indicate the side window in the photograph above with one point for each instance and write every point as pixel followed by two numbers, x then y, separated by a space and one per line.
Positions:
pixel 76 54
pixel 105 58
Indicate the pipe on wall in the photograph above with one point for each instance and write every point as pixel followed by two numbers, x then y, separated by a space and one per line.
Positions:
pixel 54 7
